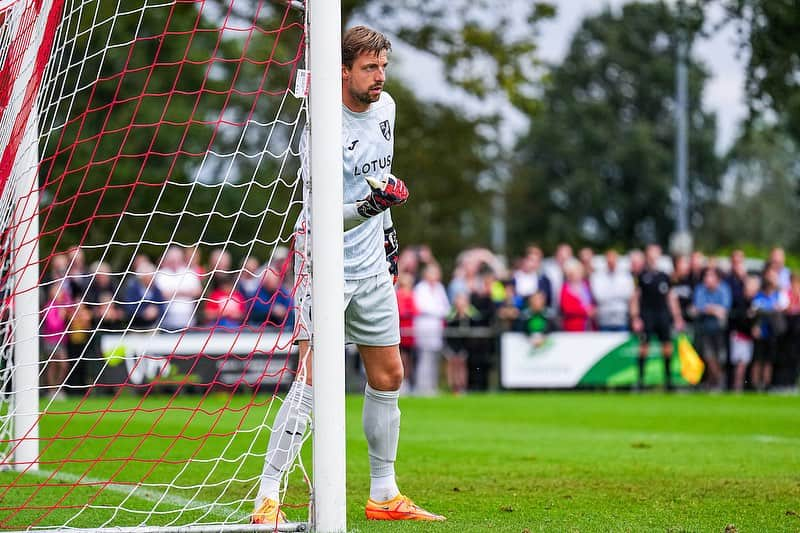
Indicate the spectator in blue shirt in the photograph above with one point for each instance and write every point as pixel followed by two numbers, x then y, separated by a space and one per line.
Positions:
pixel 271 306
pixel 769 305
pixel 142 301
pixel 712 303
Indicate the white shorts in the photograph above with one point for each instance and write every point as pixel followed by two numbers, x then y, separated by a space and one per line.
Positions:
pixel 371 317
pixel 741 349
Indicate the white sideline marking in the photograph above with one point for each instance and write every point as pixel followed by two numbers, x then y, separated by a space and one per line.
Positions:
pixel 218 510
pixel 774 439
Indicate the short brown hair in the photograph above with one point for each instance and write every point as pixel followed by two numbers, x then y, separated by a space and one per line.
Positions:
pixel 360 39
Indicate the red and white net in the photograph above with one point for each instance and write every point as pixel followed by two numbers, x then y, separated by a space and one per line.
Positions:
pixel 162 141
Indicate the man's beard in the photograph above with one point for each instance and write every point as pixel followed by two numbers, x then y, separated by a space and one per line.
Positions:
pixel 365 97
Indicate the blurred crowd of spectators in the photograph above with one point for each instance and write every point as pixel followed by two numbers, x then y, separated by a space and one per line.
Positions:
pixel 181 293
pixel 744 317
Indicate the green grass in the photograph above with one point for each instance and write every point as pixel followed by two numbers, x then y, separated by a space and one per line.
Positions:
pixel 504 462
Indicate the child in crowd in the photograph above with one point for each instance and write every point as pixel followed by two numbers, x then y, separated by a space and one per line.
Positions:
pixel 79 349
pixel 536 319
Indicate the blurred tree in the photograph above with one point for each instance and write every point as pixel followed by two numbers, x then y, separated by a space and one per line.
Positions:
pixel 154 126
pixel 759 206
pixel 596 167
pixel 435 150
pixel 768 29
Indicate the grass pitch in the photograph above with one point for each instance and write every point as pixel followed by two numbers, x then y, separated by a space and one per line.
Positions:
pixel 500 462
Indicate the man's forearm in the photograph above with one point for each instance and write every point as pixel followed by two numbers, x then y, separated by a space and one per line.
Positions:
pixel 351 217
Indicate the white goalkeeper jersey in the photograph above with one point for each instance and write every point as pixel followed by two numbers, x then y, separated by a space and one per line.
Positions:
pixel 368 150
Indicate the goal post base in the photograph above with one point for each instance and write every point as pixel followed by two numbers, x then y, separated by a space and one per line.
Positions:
pixel 208 528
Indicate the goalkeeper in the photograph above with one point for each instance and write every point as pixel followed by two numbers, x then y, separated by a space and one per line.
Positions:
pixel 370 304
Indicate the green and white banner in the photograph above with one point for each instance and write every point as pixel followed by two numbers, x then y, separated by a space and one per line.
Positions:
pixel 569 360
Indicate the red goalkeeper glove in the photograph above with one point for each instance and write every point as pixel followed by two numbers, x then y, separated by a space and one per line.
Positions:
pixel 392 248
pixel 385 193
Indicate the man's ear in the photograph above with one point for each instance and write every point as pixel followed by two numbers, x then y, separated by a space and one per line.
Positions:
pixel 345 72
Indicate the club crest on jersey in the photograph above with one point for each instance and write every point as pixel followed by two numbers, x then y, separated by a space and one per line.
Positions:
pixel 386 130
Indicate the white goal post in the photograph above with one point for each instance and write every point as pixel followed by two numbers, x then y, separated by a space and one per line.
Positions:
pixel 327 281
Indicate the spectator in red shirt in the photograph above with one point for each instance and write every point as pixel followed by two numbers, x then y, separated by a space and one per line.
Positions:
pixel 225 306
pixel 793 331
pixel 408 310
pixel 577 309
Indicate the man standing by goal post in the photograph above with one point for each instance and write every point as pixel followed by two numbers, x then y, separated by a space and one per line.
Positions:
pixel 370 305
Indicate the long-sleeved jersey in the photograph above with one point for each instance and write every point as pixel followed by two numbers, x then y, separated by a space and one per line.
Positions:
pixel 368 150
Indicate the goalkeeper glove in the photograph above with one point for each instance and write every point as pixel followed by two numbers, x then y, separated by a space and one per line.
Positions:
pixel 392 248
pixel 385 193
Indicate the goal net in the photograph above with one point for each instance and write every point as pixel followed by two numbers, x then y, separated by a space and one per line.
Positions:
pixel 150 188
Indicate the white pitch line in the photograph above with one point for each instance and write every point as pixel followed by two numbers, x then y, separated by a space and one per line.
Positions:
pixel 217 510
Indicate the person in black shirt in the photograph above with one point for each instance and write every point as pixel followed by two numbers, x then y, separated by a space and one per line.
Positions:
pixel 654 309
pixel 698 264
pixel 740 338
pixel 683 286
pixel 460 342
pixel 737 277
pixel 742 321
pixel 482 355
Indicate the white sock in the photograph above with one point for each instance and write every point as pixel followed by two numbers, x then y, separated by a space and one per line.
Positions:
pixel 381 420
pixel 383 488
pixel 286 439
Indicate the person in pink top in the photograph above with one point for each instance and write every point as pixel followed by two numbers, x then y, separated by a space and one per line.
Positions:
pixel 794 296
pixel 55 323
pixel 577 307
pixel 793 330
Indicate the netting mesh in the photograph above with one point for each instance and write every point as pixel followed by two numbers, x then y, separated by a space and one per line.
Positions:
pixel 166 197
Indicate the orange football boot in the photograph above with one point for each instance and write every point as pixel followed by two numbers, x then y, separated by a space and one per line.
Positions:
pixel 268 513
pixel 399 508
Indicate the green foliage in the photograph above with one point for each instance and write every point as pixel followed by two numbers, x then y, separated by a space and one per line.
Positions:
pixel 435 151
pixel 755 251
pixel 769 34
pixel 760 205
pixel 596 167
